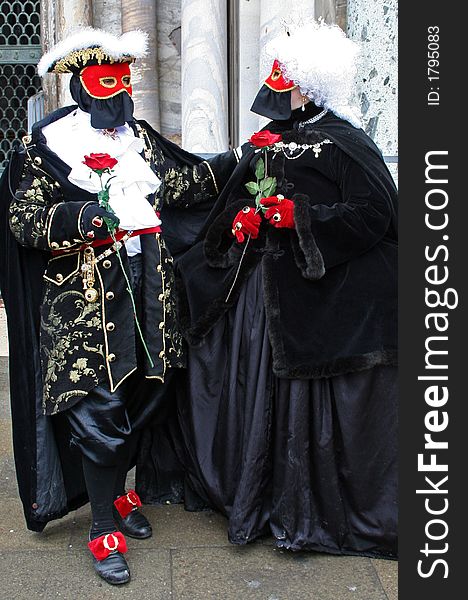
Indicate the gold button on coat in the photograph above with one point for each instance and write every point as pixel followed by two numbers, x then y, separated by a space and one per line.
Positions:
pixel 109 295
pixel 161 297
pixel 111 357
pixel 110 326
pixel 59 277
pixel 38 160
pixel 162 354
pixel 161 325
pixel 107 264
pixel 54 245
pixel 66 244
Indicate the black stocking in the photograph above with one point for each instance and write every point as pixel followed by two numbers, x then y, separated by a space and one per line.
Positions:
pixel 100 483
pixel 126 465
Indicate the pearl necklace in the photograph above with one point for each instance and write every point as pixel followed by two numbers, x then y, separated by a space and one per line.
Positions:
pixel 313 119
pixel 293 151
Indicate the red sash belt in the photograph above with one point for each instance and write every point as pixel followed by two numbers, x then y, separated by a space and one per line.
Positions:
pixel 107 241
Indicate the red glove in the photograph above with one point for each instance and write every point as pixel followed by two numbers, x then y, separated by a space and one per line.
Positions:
pixel 246 222
pixel 280 211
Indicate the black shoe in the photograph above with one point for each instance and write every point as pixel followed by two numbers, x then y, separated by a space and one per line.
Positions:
pixel 108 559
pixel 135 524
pixel 113 569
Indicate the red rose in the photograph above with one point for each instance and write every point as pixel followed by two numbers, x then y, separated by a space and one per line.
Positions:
pixel 99 161
pixel 265 138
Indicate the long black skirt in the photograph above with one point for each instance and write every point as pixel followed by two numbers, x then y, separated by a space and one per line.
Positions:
pixel 312 462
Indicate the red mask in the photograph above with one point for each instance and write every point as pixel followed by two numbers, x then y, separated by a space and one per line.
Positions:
pixel 277 82
pixel 106 81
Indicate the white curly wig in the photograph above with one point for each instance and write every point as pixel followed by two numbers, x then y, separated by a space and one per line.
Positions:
pixel 322 62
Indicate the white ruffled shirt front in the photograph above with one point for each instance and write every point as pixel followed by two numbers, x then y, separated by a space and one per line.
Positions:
pixel 131 181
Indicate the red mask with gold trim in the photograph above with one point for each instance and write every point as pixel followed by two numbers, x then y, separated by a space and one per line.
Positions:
pixel 276 80
pixel 106 81
pixel 274 97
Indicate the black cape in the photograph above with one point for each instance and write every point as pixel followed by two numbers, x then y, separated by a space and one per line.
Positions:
pixel 207 272
pixel 49 474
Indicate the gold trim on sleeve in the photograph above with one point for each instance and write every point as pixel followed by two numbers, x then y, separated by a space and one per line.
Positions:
pixel 49 225
pixel 212 176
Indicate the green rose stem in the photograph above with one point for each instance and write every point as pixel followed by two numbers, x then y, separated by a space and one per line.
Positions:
pixel 129 290
pixel 103 198
pixel 264 186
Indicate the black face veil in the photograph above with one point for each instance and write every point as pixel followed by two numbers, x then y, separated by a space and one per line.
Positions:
pixel 105 114
pixel 272 104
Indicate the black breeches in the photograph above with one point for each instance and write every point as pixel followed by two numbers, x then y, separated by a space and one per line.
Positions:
pixel 101 427
pixel 105 425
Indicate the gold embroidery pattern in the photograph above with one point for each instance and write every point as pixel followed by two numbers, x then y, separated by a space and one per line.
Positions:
pixel 173 341
pixel 71 350
pixel 28 223
pixel 177 181
pixel 80 58
pixel 175 184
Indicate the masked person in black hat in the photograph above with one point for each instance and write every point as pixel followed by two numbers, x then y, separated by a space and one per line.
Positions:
pixel 289 304
pixel 87 281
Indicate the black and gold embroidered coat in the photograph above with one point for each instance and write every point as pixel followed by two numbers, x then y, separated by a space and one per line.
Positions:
pixel 83 344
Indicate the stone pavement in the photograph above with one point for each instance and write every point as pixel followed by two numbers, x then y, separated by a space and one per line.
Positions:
pixel 189 557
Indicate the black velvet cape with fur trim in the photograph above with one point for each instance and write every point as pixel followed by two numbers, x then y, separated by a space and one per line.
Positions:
pixel 331 284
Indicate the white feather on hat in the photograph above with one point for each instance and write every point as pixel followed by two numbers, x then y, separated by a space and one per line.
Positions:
pixel 89 44
pixel 322 62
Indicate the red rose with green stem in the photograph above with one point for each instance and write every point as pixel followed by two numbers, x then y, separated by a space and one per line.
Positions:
pixel 103 163
pixel 264 186
pixel 100 164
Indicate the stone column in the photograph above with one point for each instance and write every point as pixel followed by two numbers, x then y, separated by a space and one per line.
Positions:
pixel 141 14
pixel 249 66
pixel 107 15
pixel 374 25
pixel 70 14
pixel 57 18
pixel 204 76
pixel 169 50
pixel 48 39
pixel 332 11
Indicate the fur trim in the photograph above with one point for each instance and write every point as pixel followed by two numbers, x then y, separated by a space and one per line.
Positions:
pixel 322 62
pixel 130 45
pixel 308 257
pixel 282 367
pixel 340 366
pixel 195 332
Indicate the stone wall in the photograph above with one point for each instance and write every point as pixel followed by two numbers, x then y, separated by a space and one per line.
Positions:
pixel 374 25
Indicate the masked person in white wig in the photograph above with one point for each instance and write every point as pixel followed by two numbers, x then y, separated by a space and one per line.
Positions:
pixel 289 303
pixel 87 281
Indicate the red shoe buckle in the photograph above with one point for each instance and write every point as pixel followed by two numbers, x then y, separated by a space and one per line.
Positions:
pixel 104 545
pixel 125 504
